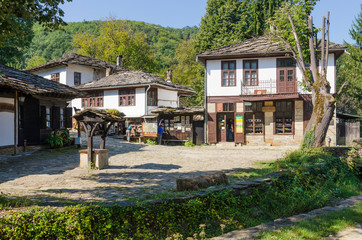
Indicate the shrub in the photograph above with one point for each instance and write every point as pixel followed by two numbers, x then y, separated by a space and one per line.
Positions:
pixel 189 143
pixel 151 141
pixel 58 139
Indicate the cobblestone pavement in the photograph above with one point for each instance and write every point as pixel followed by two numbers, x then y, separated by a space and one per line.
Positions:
pixel 136 170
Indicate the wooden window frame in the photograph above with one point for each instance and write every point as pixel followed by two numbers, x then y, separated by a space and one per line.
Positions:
pixel 127 96
pixel 253 114
pixel 55 77
pixel 50 117
pixel 250 70
pixel 228 71
pixel 155 96
pixel 77 78
pixel 284 122
pixel 226 107
pixel 98 97
pixel 61 120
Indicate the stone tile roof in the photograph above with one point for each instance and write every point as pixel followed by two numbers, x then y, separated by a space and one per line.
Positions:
pixel 101 113
pixel 76 59
pixel 33 84
pixel 256 46
pixel 171 110
pixel 129 78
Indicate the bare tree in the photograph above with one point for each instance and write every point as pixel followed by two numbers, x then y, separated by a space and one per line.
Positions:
pixel 314 78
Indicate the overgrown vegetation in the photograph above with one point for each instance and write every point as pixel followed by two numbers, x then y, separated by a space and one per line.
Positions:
pixel 320 226
pixel 151 141
pixel 310 179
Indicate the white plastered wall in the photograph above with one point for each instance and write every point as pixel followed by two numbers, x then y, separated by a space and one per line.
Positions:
pixel 6 124
pixel 48 72
pixel 6 128
pixel 167 98
pixel 86 74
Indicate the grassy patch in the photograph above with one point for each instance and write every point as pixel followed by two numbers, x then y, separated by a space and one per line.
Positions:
pixel 320 226
pixel 7 203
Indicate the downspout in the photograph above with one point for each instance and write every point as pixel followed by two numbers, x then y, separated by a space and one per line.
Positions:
pixel 205 105
pixel 205 98
pixel 146 103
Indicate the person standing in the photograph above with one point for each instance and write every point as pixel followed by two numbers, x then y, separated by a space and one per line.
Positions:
pixel 160 132
pixel 128 133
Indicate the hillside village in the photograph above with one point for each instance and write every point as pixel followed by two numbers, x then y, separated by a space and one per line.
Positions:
pixel 171 135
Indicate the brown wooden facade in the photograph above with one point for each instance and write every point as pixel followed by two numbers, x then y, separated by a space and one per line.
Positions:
pixel 237 118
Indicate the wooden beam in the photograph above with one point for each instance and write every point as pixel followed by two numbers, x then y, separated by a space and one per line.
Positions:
pixel 16 107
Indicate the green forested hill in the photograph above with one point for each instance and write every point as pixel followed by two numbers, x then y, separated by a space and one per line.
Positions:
pixel 162 40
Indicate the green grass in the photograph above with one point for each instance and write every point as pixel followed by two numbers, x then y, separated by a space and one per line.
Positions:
pixel 15 202
pixel 320 226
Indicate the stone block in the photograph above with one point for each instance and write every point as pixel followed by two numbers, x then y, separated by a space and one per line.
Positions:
pixel 100 159
pixel 202 181
pixel 211 108
pixel 239 107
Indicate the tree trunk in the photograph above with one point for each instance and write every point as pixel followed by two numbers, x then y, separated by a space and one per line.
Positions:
pixel 323 110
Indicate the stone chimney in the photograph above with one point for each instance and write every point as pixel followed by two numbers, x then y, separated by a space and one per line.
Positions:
pixel 119 61
pixel 169 75
pixel 108 71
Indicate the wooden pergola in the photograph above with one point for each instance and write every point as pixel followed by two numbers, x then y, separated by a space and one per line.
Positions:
pixel 98 120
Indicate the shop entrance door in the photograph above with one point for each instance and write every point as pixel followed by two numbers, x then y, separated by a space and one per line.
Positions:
pixel 225 127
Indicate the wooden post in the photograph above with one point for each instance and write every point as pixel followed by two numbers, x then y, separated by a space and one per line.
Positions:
pixel 104 135
pixel 16 109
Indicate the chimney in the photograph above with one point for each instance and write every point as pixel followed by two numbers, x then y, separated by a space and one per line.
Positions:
pixel 119 61
pixel 108 71
pixel 169 75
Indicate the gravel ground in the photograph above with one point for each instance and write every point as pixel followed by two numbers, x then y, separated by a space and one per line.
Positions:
pixel 135 170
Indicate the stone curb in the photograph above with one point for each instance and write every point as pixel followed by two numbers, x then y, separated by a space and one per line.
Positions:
pixel 253 232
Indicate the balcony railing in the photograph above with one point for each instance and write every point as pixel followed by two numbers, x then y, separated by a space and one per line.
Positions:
pixel 264 87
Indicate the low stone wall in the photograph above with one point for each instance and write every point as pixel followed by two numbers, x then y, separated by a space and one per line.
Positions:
pixel 238 189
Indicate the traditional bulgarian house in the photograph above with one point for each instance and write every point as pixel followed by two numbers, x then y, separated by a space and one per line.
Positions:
pixel 254 94
pixel 110 86
pixel 135 93
pixel 31 107
pixel 74 70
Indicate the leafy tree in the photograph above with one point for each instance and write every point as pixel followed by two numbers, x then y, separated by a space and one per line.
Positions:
pixel 35 61
pixel 188 72
pixel 230 21
pixel 349 69
pixel 13 46
pixel 116 38
pixel 45 12
pixel 292 28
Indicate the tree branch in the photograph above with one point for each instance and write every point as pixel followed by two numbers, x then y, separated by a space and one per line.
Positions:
pixel 299 48
pixel 341 88
pixel 327 48
pixel 323 45
pixel 313 65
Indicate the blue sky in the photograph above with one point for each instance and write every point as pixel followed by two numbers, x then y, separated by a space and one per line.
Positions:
pixel 182 13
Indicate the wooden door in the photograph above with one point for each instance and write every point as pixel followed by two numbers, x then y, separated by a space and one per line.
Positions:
pixel 198 134
pixel 286 76
pixel 221 127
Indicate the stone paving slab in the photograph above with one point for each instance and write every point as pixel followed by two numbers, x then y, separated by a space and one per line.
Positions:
pixel 253 232
pixel 135 170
